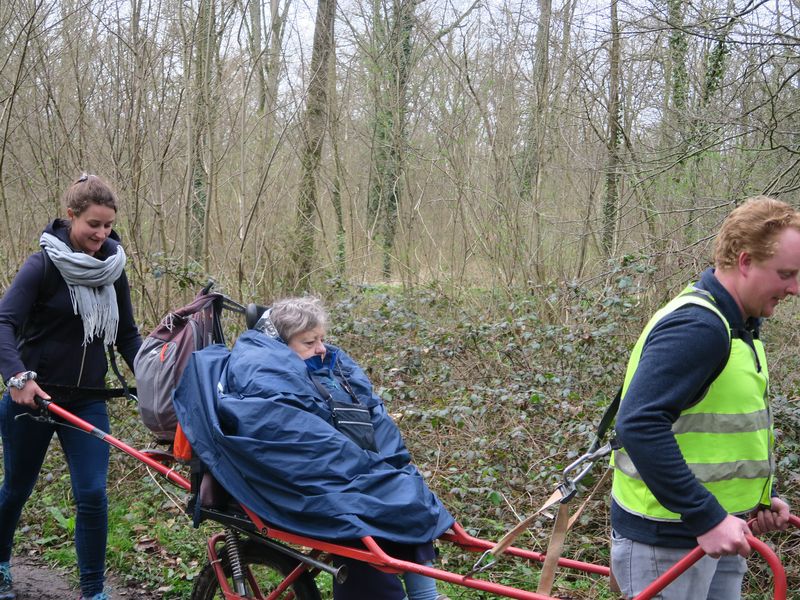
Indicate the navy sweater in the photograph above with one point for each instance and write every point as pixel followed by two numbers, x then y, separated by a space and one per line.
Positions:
pixel 53 345
pixel 682 353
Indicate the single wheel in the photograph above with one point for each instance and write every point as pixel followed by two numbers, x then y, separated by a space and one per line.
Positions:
pixel 268 566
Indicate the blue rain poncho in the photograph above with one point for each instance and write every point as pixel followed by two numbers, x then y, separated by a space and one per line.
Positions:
pixel 254 417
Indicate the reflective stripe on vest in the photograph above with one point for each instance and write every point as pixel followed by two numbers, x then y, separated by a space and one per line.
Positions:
pixel 725 438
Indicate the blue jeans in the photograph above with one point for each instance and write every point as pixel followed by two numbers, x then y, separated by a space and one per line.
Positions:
pixel 637 565
pixel 420 587
pixel 25 443
pixel 364 581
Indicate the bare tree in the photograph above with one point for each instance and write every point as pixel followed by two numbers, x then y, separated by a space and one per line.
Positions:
pixel 17 45
pixel 503 143
pixel 314 128
pixel 390 58
pixel 611 203
pixel 533 158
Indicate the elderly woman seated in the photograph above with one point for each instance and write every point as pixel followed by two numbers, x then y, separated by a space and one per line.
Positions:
pixel 291 427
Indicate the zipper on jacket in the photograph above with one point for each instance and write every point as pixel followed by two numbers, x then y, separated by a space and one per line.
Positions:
pixel 80 373
pixel 748 338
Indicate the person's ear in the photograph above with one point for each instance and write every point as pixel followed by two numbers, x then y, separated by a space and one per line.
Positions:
pixel 70 214
pixel 744 262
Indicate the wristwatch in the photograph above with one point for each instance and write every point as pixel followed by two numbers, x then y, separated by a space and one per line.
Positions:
pixel 20 381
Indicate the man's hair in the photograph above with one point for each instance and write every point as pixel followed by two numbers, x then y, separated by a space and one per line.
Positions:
pixel 86 190
pixel 291 316
pixel 753 227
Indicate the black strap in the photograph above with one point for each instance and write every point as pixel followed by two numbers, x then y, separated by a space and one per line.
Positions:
pixel 353 420
pixel 220 303
pixel 326 393
pixel 606 420
pixel 48 284
pixel 748 337
pixel 50 276
pixel 609 414
pixel 217 334
pixel 126 390
pixel 71 392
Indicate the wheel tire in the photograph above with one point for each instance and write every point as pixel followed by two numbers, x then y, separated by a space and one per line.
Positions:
pixel 270 568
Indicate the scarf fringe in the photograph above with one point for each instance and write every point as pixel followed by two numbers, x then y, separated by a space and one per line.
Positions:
pixel 91 287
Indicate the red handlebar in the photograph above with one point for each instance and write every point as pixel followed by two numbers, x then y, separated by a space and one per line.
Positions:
pixel 110 439
pixel 697 553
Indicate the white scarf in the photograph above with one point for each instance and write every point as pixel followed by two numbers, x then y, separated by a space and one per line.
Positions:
pixel 91 286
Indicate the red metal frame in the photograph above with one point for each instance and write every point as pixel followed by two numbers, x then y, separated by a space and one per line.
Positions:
pixel 229 594
pixel 373 554
pixel 110 439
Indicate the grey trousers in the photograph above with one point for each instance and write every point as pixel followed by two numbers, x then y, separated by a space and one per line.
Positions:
pixel 636 566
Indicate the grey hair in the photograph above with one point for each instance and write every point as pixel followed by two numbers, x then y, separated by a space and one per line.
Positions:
pixel 291 316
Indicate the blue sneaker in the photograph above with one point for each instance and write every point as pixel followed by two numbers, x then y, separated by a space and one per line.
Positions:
pixel 98 596
pixel 6 587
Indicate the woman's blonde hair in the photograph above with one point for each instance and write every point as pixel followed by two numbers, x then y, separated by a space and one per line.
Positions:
pixel 753 227
pixel 87 190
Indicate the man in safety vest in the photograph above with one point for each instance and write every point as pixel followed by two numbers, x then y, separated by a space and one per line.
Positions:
pixel 694 421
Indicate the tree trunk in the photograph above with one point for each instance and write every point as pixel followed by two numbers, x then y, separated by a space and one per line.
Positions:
pixel 198 130
pixel 21 44
pixel 611 206
pixel 338 175
pixel 532 185
pixel 401 52
pixel 315 124
pixel 392 48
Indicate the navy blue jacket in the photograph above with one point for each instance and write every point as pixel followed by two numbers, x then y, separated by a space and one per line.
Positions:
pixel 256 420
pixel 53 333
pixel 682 353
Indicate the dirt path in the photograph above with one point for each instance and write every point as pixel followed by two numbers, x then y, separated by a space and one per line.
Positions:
pixel 33 580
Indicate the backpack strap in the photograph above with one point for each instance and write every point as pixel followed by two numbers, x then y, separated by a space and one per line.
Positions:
pixel 125 391
pixel 326 394
pixel 217 333
pixel 49 281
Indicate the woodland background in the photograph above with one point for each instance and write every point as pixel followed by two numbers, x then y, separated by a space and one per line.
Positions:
pixel 492 195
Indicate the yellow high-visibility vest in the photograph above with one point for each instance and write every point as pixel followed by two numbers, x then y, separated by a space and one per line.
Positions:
pixel 726 438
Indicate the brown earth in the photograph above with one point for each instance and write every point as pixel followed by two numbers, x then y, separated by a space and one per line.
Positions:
pixel 34 580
